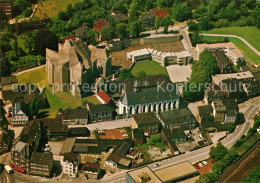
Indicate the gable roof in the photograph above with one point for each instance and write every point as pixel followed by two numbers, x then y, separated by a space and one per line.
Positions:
pixel 80 113
pixel 146 118
pixel 100 23
pixel 161 13
pixel 147 15
pixel 92 167
pixel 221 59
pixel 104 96
pixel 99 108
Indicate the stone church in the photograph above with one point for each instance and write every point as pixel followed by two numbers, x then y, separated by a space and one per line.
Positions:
pixel 76 66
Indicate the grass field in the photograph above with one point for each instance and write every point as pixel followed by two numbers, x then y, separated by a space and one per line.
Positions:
pixel 51 8
pixel 249 33
pixel 250 55
pixel 150 67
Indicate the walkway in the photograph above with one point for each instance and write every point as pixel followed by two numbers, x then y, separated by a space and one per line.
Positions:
pixel 27 70
pixel 234 36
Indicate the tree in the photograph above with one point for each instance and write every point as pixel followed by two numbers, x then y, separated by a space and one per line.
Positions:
pixel 27 12
pixel 164 3
pixel 134 11
pixel 107 32
pixel 254 176
pixel 258 22
pixel 218 167
pixel 135 28
pixel 181 11
pixel 121 30
pixel 92 36
pixel 218 152
pixel 34 108
pixel 45 39
pixel 125 74
pixel 192 25
pixel 21 5
pixel 207 178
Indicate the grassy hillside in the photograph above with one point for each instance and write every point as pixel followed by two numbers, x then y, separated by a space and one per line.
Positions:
pixel 51 8
pixel 251 34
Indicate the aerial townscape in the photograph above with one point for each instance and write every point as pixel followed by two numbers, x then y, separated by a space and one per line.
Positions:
pixel 134 91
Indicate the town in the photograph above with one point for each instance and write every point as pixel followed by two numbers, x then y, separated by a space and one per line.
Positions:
pixel 129 91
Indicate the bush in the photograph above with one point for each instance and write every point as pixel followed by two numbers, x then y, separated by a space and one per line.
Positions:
pixel 27 12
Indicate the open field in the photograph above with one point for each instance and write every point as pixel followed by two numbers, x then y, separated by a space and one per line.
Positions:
pixel 249 33
pixel 51 8
pixel 250 56
pixel 119 57
pixel 150 67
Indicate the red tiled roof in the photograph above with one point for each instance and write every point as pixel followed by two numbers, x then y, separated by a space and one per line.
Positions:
pixel 161 13
pixel 103 96
pixel 68 38
pixel 101 23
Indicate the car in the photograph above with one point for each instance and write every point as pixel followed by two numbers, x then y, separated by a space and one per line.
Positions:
pixel 156 165
pixel 197 166
pixel 205 162
pixel 200 164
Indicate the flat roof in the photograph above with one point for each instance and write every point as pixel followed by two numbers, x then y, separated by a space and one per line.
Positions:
pixel 176 171
pixel 241 75
pixel 68 145
pixel 137 173
pixel 179 74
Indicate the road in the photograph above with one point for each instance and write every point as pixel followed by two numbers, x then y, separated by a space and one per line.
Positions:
pixel 242 39
pixel 200 154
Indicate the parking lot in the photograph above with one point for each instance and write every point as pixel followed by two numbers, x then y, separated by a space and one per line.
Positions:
pixel 216 136
pixel 205 167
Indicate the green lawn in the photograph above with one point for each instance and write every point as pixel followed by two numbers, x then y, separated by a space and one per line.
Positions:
pixel 51 8
pixel 37 76
pixel 250 56
pixel 149 67
pixel 249 33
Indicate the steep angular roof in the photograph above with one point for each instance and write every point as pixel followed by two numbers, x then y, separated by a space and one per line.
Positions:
pixel 100 23
pixel 161 13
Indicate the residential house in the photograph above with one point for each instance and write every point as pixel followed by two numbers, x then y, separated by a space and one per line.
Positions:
pixel 160 13
pixel 23 147
pixel 19 114
pixel 99 25
pixel 6 6
pixel 222 62
pixel 5 141
pixel 54 128
pixel 252 88
pixel 81 32
pixel 138 136
pixel 219 110
pixel 103 97
pixel 101 112
pixel 242 77
pixel 91 170
pixel 148 19
pixel 41 164
pixel 233 88
pixel 212 93
pixel 119 16
pixel 70 164
pixel 118 156
pixel 205 114
pixel 79 132
pixel 148 122
pixel 77 116
pixel 177 117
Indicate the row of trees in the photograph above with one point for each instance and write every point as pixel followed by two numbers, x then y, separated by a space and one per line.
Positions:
pixel 200 77
pixel 28 50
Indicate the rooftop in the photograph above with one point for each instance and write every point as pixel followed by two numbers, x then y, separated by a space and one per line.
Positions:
pixel 146 118
pixel 241 75
pixel 144 172
pixel 99 108
pixel 41 158
pixel 180 170
pixel 80 113
pixel 103 96
pixel 161 13
pixel 93 167
pixel 100 23
pixel 71 157
pixel 179 74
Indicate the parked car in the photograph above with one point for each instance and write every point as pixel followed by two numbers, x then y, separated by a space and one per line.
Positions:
pixel 8 169
pixel 156 165
pixel 200 164
pixel 197 166
pixel 205 162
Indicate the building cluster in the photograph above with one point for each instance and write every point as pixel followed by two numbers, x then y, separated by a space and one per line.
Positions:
pixel 229 49
pixel 164 58
pixel 148 18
